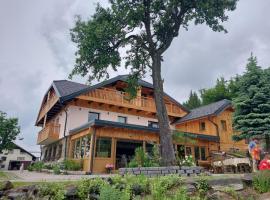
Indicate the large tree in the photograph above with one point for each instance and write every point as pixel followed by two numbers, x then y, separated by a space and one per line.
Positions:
pixel 193 101
pixel 144 29
pixel 252 104
pixel 9 129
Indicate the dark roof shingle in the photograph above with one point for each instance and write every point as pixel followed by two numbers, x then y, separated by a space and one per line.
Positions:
pixel 203 111
pixel 64 87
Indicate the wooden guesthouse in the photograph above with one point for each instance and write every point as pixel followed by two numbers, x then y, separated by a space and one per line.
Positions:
pixel 99 125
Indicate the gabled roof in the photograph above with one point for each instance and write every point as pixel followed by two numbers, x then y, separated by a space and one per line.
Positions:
pixel 67 90
pixel 205 111
pixel 64 88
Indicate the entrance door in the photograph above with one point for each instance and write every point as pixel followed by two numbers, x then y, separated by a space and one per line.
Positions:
pixel 125 151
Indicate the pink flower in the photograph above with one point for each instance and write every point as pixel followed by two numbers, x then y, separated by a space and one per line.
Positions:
pixel 109 166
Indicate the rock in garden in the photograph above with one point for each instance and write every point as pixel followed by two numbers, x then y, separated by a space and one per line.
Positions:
pixel 7 185
pixel 71 191
pixel 17 196
pixel 218 195
pixel 190 188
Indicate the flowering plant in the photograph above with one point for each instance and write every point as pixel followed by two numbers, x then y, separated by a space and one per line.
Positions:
pixel 187 161
pixel 109 166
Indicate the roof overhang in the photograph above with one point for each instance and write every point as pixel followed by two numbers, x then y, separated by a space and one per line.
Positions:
pixel 103 123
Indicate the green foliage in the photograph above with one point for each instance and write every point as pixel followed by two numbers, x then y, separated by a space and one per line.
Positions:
pixel 193 101
pixel 72 165
pixel 37 166
pixel 261 181
pixel 53 190
pixel 9 130
pixel 142 159
pixel 111 193
pixel 126 23
pixel 160 185
pixel 182 137
pixel 202 186
pixel 252 103
pixel 56 169
pixel 86 187
pixel 222 90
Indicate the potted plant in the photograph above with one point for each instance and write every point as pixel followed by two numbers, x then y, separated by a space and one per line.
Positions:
pixel 109 168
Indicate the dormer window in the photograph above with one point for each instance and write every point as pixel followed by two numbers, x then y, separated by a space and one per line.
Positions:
pixel 202 126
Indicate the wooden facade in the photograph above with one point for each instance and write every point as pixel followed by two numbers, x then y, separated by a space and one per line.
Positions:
pixel 220 125
pixel 96 146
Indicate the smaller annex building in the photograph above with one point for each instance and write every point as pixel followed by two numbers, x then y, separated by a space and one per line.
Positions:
pixel 13 159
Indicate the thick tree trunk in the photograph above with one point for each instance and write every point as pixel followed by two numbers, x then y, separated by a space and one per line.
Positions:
pixel 166 144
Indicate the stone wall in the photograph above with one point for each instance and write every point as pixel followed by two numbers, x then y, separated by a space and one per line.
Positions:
pixel 162 171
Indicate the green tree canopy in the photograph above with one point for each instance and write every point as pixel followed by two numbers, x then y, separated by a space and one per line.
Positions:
pixel 9 129
pixel 144 29
pixel 193 101
pixel 252 103
pixel 222 90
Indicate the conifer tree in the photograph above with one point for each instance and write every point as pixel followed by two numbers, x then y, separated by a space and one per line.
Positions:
pixel 193 101
pixel 252 104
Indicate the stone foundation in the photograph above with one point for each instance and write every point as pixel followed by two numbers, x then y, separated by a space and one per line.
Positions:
pixel 162 171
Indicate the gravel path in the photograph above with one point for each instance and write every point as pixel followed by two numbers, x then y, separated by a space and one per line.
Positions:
pixel 27 176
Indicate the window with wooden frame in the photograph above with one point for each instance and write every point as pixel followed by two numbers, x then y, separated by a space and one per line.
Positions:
pixel 103 147
pixel 223 125
pixel 81 147
pixel 200 153
pixel 202 126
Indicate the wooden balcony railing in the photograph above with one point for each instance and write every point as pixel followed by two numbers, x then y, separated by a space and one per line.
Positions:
pixel 114 97
pixel 48 134
pixel 47 106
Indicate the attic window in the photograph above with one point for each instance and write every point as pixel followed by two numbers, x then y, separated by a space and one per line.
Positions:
pixel 202 126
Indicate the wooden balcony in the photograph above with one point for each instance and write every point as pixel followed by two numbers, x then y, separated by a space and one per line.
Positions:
pixel 117 98
pixel 48 134
pixel 47 106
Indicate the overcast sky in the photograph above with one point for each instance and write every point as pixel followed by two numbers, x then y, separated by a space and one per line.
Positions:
pixel 35 49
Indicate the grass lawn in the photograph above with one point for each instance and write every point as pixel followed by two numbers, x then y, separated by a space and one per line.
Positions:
pixel 4 176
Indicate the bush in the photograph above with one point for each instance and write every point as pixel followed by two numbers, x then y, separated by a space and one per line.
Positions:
pixel 56 169
pixel 88 187
pixel 53 190
pixel 142 159
pixel 37 166
pixel 160 185
pixel 261 181
pixel 108 192
pixel 202 186
pixel 72 165
pixel 48 166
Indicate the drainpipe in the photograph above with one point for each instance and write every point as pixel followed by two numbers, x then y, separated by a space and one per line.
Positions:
pixel 65 127
pixel 217 130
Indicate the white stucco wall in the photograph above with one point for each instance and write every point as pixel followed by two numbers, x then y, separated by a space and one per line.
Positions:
pixel 78 116
pixel 13 155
